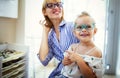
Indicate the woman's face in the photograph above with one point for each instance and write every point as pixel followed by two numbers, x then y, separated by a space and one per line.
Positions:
pixel 54 10
pixel 85 29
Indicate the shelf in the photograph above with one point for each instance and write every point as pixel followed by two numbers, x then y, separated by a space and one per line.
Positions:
pixel 16 63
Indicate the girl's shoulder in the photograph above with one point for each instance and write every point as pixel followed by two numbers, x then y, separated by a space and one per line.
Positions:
pixel 96 53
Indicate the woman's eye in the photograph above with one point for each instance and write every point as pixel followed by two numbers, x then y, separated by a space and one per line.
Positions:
pixel 49 5
pixel 58 4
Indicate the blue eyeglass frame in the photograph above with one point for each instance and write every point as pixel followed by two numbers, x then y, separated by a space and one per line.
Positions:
pixel 58 4
pixel 84 26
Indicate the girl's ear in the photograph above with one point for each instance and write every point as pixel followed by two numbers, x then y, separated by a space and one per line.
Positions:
pixel 95 31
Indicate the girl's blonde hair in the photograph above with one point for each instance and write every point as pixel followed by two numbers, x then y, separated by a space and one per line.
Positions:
pixel 48 21
pixel 84 13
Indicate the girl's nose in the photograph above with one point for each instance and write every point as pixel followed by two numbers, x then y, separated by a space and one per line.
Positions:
pixel 83 30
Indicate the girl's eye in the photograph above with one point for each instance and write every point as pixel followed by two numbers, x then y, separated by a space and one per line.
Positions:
pixel 79 27
pixel 88 26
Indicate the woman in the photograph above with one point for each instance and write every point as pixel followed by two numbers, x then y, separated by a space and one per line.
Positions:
pixel 57 35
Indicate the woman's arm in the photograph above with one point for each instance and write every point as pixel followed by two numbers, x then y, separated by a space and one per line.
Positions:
pixel 44 49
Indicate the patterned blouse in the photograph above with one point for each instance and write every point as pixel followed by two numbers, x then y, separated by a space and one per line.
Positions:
pixel 57 48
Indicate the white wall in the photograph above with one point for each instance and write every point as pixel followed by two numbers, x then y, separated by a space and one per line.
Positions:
pixel 7 30
pixel 13 30
pixel 20 26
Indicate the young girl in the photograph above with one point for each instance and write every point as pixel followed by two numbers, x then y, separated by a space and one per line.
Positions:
pixel 85 57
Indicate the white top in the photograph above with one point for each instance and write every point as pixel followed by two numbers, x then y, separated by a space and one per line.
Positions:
pixel 73 70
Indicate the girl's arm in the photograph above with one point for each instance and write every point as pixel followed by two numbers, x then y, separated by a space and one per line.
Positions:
pixel 86 71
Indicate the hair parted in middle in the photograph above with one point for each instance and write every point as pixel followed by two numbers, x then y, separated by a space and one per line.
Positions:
pixel 48 21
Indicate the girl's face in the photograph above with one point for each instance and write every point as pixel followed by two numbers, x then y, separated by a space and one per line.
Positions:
pixel 84 28
pixel 54 9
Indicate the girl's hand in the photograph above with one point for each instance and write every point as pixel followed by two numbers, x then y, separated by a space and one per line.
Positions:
pixel 73 56
pixel 66 61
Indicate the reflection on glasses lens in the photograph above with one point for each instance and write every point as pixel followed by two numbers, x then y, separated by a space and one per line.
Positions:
pixel 52 5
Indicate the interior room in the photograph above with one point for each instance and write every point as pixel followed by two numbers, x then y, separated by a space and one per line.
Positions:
pixel 21 34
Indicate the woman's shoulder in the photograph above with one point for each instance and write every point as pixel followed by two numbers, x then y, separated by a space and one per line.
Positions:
pixel 69 23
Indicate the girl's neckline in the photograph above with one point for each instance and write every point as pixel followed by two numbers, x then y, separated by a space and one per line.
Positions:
pixel 89 51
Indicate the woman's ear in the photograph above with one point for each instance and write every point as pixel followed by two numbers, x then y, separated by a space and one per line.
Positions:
pixel 44 12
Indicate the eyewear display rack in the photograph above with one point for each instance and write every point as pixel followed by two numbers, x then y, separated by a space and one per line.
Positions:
pixel 16 65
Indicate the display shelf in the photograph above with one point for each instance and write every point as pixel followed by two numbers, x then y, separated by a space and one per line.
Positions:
pixel 13 65
pixel 16 64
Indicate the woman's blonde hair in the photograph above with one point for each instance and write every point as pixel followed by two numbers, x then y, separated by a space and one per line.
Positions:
pixel 48 21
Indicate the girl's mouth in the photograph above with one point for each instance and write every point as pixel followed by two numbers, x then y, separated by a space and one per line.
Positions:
pixel 84 35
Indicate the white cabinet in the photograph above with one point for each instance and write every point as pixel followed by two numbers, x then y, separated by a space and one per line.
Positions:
pixel 9 8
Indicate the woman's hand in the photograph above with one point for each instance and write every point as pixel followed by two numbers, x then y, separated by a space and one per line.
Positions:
pixel 45 26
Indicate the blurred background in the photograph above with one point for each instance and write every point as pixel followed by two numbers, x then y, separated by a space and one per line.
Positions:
pixel 19 24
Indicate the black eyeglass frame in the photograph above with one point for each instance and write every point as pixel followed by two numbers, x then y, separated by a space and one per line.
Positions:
pixel 52 5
